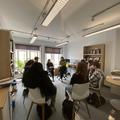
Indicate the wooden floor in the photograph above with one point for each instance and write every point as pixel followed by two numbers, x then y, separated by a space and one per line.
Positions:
pixel 100 113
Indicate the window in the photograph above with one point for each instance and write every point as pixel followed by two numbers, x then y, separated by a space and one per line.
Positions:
pixel 53 54
pixel 23 53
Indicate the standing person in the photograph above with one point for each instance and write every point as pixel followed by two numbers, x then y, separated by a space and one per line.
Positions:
pixel 63 68
pixel 79 77
pixel 95 74
pixel 36 59
pixel 50 68
pixel 37 77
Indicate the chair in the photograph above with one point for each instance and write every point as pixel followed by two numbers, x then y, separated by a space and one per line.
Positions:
pixel 36 98
pixel 98 90
pixel 79 93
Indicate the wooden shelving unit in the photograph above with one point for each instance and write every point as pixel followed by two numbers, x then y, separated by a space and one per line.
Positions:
pixel 6 72
pixel 95 52
pixel 12 57
pixel 7 55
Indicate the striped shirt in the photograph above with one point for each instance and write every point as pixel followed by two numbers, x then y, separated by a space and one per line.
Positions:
pixel 95 77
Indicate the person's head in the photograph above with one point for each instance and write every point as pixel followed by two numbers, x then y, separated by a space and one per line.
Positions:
pixel 49 60
pixel 83 60
pixel 37 67
pixel 36 59
pixel 62 58
pixel 95 65
pixel 90 62
pixel 29 63
pixel 81 67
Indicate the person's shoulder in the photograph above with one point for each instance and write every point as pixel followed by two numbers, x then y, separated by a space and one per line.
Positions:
pixel 75 74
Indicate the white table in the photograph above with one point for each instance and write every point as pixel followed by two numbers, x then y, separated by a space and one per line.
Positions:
pixel 115 82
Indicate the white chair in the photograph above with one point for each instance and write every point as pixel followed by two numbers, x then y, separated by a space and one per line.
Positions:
pixel 79 93
pixel 98 90
pixel 36 98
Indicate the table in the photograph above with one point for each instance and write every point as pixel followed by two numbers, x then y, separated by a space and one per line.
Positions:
pixel 113 80
pixel 115 88
pixel 115 84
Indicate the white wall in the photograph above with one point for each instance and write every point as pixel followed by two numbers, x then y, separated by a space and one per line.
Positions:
pixel 75 50
pixel 117 50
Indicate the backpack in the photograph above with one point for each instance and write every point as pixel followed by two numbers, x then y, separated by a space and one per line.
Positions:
pixel 48 111
pixel 67 109
pixel 93 99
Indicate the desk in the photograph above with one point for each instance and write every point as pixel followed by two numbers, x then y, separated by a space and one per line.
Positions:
pixel 115 84
pixel 113 80
pixel 115 88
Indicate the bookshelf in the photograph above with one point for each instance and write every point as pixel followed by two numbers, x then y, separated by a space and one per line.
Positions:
pixel 95 52
pixel 12 57
pixel 7 55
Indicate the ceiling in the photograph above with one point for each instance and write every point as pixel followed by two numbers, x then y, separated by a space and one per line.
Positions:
pixel 75 19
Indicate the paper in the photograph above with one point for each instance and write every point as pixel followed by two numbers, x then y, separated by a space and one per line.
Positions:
pixel 115 77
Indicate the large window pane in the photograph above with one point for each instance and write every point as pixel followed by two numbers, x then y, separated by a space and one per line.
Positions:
pixel 55 58
pixel 22 56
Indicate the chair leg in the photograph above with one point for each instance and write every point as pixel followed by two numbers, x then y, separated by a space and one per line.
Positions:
pixel 23 100
pixel 73 113
pixel 76 106
pixel 29 111
pixel 43 112
pixel 99 97
pixel 87 109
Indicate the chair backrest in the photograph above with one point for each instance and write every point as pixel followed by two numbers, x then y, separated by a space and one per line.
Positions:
pixel 35 96
pixel 80 91
pixel 101 81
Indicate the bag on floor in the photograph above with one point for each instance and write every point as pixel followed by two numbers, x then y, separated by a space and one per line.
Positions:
pixel 67 109
pixel 48 111
pixel 93 99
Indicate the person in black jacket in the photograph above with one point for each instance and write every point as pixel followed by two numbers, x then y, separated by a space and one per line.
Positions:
pixel 28 64
pixel 37 77
pixel 63 68
pixel 50 68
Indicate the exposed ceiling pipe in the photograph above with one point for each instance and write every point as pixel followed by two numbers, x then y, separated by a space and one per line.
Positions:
pixel 37 34
pixel 99 13
pixel 93 26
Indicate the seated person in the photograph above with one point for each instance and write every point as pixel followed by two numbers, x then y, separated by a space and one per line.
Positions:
pixel 79 77
pixel 36 77
pixel 63 69
pixel 28 64
pixel 36 59
pixel 50 68
pixel 95 74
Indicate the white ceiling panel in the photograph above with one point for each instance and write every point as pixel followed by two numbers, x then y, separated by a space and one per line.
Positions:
pixel 22 15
